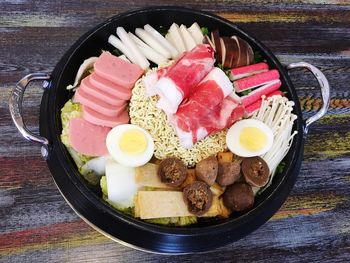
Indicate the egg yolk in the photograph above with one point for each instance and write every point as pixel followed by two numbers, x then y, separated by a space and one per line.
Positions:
pixel 252 139
pixel 133 142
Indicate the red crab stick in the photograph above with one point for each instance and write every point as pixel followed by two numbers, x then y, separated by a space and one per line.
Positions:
pixel 246 71
pixel 255 80
pixel 263 90
pixel 256 105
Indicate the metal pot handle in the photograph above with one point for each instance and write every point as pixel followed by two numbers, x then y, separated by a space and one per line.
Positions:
pixel 324 85
pixel 15 106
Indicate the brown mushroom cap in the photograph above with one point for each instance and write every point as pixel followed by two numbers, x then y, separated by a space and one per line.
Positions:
pixel 255 171
pixel 197 197
pixel 207 170
pixel 172 171
pixel 238 197
pixel 228 173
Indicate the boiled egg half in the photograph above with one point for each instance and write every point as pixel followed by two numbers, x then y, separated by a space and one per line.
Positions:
pixel 130 145
pixel 248 138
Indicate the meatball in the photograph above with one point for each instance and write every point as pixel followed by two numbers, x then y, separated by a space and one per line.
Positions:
pixel 228 173
pixel 207 170
pixel 238 197
pixel 197 197
pixel 172 171
pixel 255 171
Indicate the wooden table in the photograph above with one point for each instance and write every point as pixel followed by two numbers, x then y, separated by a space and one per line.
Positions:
pixel 36 225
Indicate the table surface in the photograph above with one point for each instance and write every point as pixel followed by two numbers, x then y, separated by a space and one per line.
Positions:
pixel 37 225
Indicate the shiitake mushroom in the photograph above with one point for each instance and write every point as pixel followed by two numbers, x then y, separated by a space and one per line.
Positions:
pixel 255 171
pixel 238 197
pixel 207 170
pixel 198 197
pixel 172 171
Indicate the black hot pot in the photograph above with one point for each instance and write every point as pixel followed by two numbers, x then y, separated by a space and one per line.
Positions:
pixel 89 206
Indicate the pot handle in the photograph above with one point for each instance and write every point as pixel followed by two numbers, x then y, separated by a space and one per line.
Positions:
pixel 324 85
pixel 15 106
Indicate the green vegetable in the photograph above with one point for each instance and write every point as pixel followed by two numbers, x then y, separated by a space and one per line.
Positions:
pixel 221 66
pixel 257 57
pixel 116 52
pixel 280 167
pixel 175 221
pixel 126 210
pixel 162 30
pixel 205 31
pixel 72 110
pixel 246 92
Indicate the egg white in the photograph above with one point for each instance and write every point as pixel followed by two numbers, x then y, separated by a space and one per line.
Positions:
pixel 233 137
pixel 134 160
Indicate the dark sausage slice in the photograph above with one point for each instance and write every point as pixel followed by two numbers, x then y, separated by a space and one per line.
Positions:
pixel 207 170
pixel 255 171
pixel 238 197
pixel 172 171
pixel 228 173
pixel 198 197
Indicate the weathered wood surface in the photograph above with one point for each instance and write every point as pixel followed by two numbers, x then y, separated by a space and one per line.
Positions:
pixel 36 225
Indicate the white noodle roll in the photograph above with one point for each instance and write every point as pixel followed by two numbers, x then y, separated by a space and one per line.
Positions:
pixel 114 41
pixel 125 38
pixel 147 51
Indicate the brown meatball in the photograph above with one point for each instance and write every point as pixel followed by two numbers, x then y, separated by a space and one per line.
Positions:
pixel 255 171
pixel 207 170
pixel 172 171
pixel 197 197
pixel 228 173
pixel 238 197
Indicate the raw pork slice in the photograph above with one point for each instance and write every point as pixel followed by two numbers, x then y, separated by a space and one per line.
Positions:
pixel 87 138
pixel 183 77
pixel 117 70
pixel 201 114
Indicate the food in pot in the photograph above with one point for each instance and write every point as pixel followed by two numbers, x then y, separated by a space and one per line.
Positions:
pixel 156 132
pixel 172 171
pixel 207 170
pixel 249 137
pixel 130 145
pixel 198 197
pixel 228 173
pixel 255 171
pixel 238 197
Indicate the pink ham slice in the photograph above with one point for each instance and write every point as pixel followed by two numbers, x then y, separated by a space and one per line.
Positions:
pixel 109 87
pixel 99 119
pixel 87 138
pixel 99 105
pixel 182 78
pixel 191 120
pixel 93 91
pixel 117 70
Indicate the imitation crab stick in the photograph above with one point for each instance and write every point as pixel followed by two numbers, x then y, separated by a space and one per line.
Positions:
pixel 256 80
pixel 246 71
pixel 263 90
pixel 250 109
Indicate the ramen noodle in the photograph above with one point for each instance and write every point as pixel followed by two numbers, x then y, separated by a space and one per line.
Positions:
pixel 144 113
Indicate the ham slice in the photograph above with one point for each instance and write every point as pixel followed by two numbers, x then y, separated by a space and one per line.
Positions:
pixel 99 119
pixel 109 87
pixel 93 91
pixel 117 70
pixel 87 138
pixel 183 77
pixel 206 111
pixel 99 105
